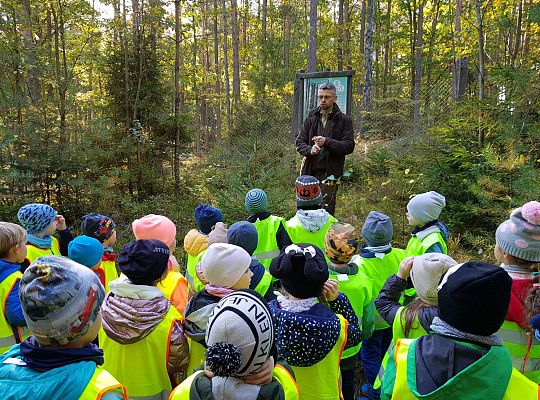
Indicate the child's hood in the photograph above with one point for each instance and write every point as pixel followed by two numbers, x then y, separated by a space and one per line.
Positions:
pixel 305 338
pixel 473 374
pixel 195 242
pixel 131 312
pixel 313 220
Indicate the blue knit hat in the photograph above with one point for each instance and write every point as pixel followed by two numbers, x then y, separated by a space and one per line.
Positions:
pixel 378 229
pixel 206 217
pixel 36 217
pixel 85 250
pixel 244 235
pixel 256 201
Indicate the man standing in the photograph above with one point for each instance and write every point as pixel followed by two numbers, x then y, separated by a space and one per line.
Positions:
pixel 325 138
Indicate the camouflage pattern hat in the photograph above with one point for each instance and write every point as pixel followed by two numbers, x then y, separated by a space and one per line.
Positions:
pixel 341 242
pixel 60 299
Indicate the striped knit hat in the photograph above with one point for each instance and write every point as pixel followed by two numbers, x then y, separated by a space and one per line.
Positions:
pixel 256 201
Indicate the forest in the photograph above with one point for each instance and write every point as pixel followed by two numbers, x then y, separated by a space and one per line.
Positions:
pixel 126 107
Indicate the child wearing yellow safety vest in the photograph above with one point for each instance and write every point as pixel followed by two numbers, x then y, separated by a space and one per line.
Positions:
pixel 196 242
pixel 241 343
pixel 429 234
pixel 244 235
pixel 414 319
pixel 88 251
pixel 103 229
pixel 142 334
pixel 270 228
pixel 518 250
pixel 463 358
pixel 41 222
pixel 377 260
pixel 159 227
pixel 311 221
pixel 12 252
pixel 226 268
pixel 340 246
pixel 61 302
pixel 312 336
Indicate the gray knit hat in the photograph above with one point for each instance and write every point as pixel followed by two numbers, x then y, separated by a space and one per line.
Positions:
pixel 520 235
pixel 426 207
pixel 426 273
pixel 256 201
pixel 378 229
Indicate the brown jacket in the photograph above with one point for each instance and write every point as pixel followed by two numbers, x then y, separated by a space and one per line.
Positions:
pixel 339 142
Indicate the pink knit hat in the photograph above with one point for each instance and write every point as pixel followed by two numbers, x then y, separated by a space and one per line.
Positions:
pixel 153 226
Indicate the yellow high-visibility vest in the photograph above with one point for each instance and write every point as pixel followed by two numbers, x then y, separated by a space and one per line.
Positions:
pixel 517 341
pixel 9 334
pixel 321 381
pixel 142 366
pixel 101 383
pixel 34 252
pixel 280 374
pixel 518 387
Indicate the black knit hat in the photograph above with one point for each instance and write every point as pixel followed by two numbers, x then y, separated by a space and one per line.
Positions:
pixel 474 297
pixel 97 226
pixel 144 261
pixel 302 270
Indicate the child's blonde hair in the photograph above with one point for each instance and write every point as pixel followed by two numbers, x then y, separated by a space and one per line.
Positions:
pixel 10 236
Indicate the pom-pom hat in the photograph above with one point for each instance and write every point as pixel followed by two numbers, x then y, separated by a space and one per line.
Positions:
pixel 519 236
pixel 239 335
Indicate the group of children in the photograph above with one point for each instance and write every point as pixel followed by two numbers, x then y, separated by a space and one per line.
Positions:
pixel 268 308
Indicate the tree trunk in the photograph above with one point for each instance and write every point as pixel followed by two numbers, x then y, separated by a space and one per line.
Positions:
pixel 518 33
pixel 218 72
pixel 362 28
pixel 226 62
pixel 418 63
pixel 264 18
pixel 387 44
pixel 236 55
pixel 347 35
pixel 312 49
pixel 480 28
pixel 286 35
pixel 177 28
pixel 340 37
pixel 429 60
pixel 367 98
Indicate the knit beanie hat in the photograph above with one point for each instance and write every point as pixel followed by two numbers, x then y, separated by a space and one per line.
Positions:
pixel 224 264
pixel 85 250
pixel 378 229
pixel 36 217
pixel 302 270
pixel 243 234
pixel 239 334
pixel 206 217
pixel 97 226
pixel 144 261
pixel 60 299
pixel 153 226
pixel 218 234
pixel 520 235
pixel 426 273
pixel 474 297
pixel 256 201
pixel 426 207
pixel 308 191
pixel 341 242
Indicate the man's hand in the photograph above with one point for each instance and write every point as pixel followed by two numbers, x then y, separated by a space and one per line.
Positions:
pixel 330 290
pixel 60 222
pixel 319 140
pixel 405 268
pixel 315 149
